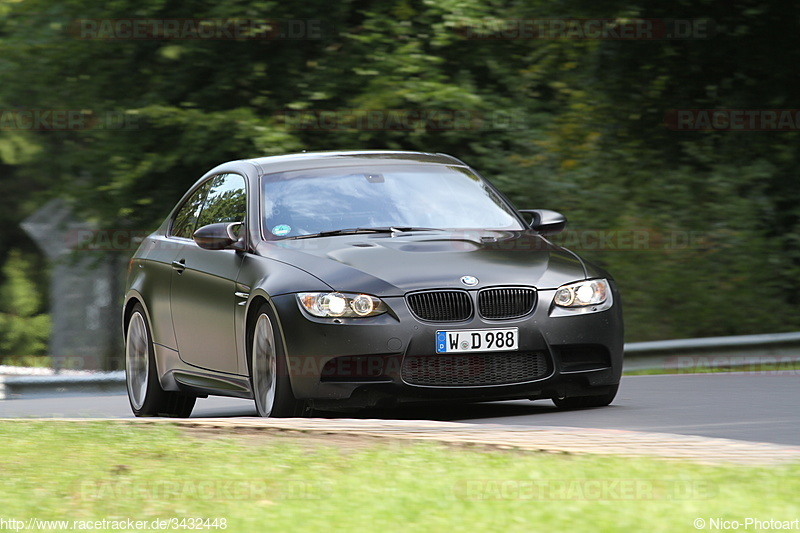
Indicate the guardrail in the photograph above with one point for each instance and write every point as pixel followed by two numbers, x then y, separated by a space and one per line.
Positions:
pixel 781 349
pixel 84 383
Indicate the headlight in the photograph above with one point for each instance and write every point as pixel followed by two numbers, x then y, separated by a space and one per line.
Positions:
pixel 591 292
pixel 337 304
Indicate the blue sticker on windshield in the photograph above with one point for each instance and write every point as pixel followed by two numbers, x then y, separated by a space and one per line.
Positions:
pixel 281 229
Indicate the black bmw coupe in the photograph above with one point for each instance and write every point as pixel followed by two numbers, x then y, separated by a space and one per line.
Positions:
pixel 362 279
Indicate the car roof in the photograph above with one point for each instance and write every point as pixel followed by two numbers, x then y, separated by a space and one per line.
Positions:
pixel 304 160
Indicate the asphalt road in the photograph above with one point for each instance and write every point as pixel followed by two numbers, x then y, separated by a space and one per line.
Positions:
pixel 745 406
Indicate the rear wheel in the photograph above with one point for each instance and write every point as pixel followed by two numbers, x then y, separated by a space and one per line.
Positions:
pixel 269 377
pixel 145 394
pixel 584 402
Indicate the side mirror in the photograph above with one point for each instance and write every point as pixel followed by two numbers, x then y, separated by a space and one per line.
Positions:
pixel 218 236
pixel 545 221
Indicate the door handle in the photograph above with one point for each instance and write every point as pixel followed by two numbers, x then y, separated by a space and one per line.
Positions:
pixel 180 266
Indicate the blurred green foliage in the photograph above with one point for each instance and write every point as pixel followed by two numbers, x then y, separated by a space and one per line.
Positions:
pixel 572 125
pixel 24 329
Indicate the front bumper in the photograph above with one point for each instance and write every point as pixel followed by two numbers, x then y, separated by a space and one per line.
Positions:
pixel 365 361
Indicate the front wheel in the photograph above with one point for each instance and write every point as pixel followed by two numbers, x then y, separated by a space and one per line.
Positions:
pixel 585 402
pixel 269 377
pixel 145 394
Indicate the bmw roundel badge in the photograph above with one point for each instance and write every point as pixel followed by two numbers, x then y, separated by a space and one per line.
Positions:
pixel 469 281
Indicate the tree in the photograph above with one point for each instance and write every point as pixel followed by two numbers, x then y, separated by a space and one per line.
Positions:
pixel 24 329
pixel 574 125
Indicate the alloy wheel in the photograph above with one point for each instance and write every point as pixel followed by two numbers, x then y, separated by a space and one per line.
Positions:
pixel 137 360
pixel 265 367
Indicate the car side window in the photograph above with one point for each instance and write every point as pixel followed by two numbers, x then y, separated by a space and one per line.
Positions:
pixel 226 200
pixel 186 218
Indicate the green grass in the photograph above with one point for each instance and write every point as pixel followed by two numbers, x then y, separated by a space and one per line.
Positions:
pixel 102 470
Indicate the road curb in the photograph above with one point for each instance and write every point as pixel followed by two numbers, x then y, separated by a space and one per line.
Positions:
pixel 547 439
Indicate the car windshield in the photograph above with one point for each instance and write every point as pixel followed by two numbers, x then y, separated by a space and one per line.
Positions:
pixel 324 200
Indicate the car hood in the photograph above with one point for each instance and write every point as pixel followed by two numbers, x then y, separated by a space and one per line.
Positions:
pixel 391 265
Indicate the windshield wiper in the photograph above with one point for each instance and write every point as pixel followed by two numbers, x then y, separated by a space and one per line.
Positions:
pixel 358 231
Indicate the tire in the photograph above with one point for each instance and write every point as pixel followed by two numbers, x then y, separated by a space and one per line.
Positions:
pixel 585 402
pixel 145 394
pixel 269 378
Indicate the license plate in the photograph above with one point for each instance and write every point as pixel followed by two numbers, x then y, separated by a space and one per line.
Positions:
pixel 477 340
